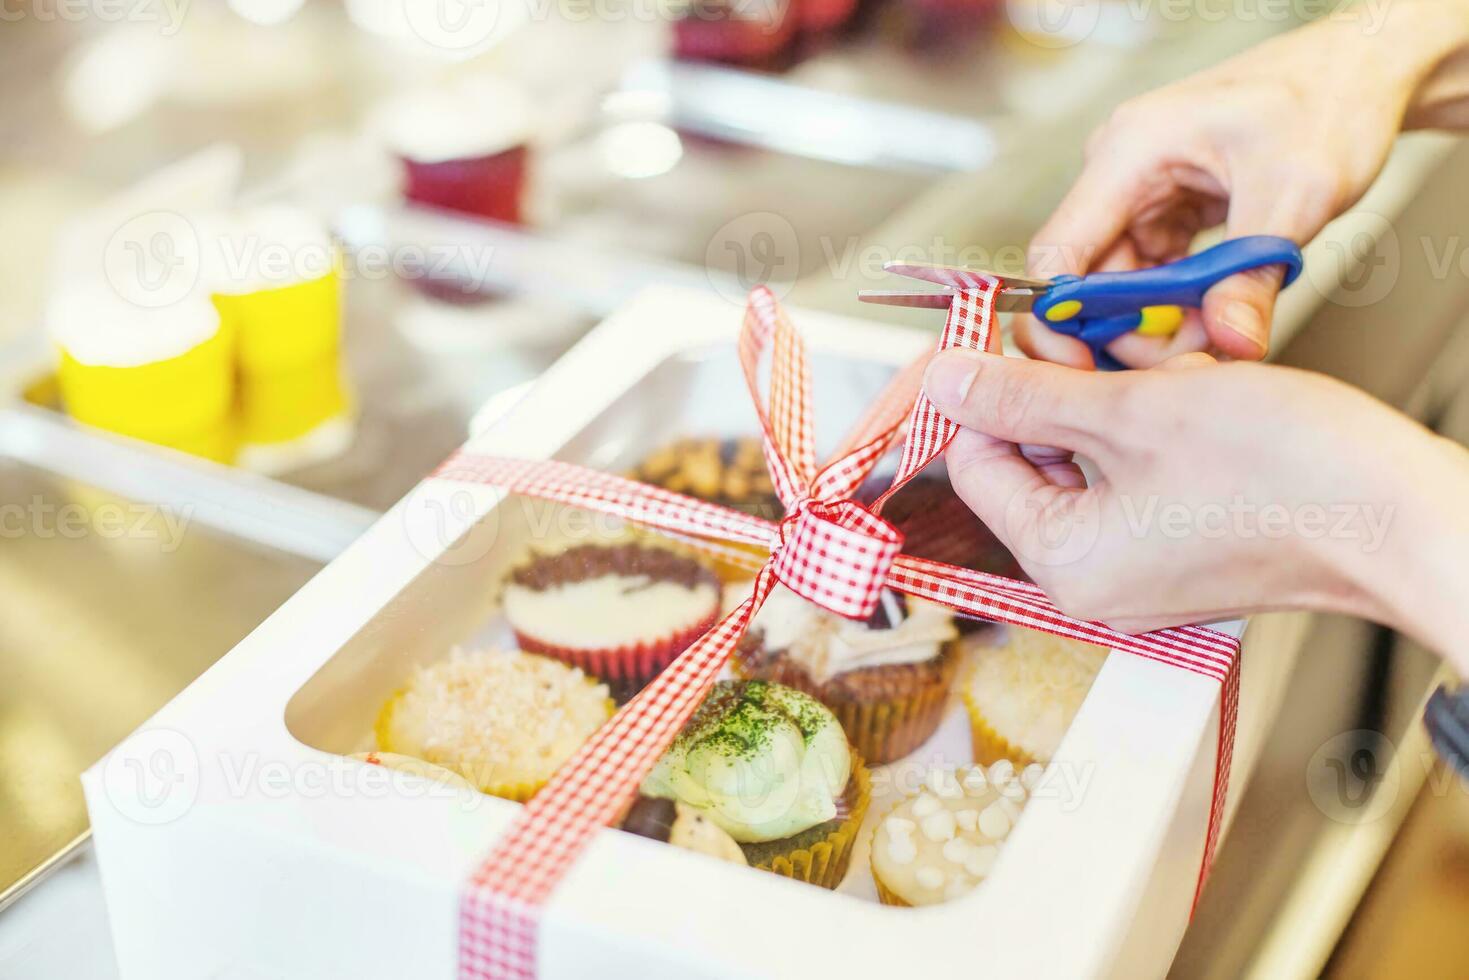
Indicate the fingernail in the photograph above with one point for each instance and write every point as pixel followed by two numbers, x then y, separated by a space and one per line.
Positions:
pixel 1245 320
pixel 950 377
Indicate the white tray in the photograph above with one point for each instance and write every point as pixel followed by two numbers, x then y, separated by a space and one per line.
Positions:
pixel 223 855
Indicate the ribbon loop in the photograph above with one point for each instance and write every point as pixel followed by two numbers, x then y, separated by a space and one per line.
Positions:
pixel 837 554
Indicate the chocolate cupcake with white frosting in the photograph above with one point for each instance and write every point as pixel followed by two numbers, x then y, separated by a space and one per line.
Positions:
pixel 938 845
pixel 886 679
pixel 621 612
pixel 772 768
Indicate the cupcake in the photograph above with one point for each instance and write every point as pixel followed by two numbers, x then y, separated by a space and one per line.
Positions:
pixel 682 826
pixel 887 684
pixel 504 720
pixel 744 33
pixel 723 471
pixel 621 612
pixel 772 768
pixel 1023 694
pixel 936 846
pixel 465 148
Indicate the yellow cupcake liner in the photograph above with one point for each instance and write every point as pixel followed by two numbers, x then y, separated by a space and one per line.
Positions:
pixel 989 745
pixel 287 327
pixel 825 863
pixel 886 895
pixel 169 401
pixel 286 405
pixel 880 731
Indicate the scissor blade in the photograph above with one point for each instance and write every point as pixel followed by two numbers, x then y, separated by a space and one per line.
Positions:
pixel 954 276
pixel 1008 300
pixel 903 297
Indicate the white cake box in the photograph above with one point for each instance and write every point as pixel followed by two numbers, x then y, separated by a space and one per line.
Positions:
pixel 236 842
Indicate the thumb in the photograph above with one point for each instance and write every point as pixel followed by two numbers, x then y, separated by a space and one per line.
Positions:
pixel 1018 400
pixel 1237 312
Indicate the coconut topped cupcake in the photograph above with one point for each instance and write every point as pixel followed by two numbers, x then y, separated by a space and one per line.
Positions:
pixel 763 761
pixel 505 720
pixel 621 611
pixel 1023 695
pixel 936 846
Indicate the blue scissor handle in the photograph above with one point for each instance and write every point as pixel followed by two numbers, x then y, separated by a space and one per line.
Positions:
pixel 1108 304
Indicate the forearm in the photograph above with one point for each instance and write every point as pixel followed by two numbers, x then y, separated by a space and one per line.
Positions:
pixel 1427 45
pixel 1418 581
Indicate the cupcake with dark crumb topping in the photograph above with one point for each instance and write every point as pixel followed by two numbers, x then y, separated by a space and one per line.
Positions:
pixel 772 768
pixel 886 679
pixel 620 612
pixel 722 471
pixel 502 719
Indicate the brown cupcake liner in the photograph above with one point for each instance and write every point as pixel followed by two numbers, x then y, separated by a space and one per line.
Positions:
pixel 624 669
pixel 989 745
pixel 881 731
pixel 825 863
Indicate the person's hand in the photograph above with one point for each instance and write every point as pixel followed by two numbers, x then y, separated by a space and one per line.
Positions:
pixel 1276 141
pixel 1215 490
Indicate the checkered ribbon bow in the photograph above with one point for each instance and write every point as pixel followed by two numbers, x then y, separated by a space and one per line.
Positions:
pixel 829 549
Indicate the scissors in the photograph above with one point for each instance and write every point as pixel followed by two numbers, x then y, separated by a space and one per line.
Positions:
pixel 1100 307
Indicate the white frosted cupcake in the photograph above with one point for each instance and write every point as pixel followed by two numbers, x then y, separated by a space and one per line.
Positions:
pixel 504 720
pixel 937 846
pixel 1023 694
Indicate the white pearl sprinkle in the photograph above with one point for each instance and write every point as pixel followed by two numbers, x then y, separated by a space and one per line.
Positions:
pixel 981 859
pixel 1011 808
pixel 931 877
pixel 1002 772
pixel 994 822
pixel 902 850
pixel 1032 775
pixel 957 888
pixel 938 826
pixel 900 825
pixel 925 805
pixel 957 850
pixel 968 818
pixel 944 784
pixel 1013 792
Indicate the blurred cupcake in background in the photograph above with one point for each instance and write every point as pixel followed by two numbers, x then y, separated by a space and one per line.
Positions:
pixel 464 148
pixel 1023 694
pixel 728 471
pixel 164 374
pixel 886 679
pixel 276 277
pixel 745 33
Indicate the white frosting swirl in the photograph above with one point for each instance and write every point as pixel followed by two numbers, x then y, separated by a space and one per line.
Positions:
pixel 826 645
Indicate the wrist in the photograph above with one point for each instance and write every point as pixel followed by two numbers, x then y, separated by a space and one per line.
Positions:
pixel 1424 46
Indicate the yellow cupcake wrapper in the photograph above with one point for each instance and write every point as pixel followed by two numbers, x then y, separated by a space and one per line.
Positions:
pixel 825 863
pixel 883 731
pixel 886 895
pixel 989 745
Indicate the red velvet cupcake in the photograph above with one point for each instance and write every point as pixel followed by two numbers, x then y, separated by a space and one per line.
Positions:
pixel 621 612
pixel 464 149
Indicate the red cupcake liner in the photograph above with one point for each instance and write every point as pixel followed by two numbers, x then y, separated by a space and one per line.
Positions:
pixel 624 669
pixel 490 186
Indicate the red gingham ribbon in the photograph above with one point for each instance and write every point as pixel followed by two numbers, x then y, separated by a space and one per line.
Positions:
pixel 828 549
